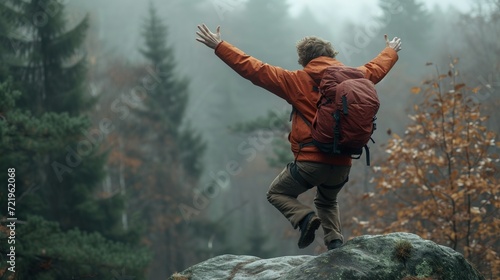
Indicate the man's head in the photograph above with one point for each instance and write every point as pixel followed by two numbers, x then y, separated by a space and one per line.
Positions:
pixel 312 47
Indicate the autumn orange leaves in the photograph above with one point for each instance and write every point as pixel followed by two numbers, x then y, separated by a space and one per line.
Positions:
pixel 441 177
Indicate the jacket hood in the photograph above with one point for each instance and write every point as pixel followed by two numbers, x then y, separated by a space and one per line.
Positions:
pixel 316 67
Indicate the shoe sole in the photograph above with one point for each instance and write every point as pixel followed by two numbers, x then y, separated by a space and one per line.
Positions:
pixel 335 247
pixel 308 237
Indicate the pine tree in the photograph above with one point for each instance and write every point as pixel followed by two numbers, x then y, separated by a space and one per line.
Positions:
pixel 5 44
pixel 173 152
pixel 50 72
pixel 169 95
pixel 272 41
pixel 167 100
pixel 43 249
pixel 480 30
pixel 45 137
pixel 408 20
pixel 276 123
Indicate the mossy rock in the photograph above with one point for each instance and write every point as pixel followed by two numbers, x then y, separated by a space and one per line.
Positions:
pixel 392 256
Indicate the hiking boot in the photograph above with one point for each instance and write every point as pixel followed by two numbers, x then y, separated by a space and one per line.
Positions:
pixel 308 226
pixel 334 244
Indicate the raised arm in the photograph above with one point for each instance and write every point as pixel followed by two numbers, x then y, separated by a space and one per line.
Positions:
pixel 271 78
pixel 377 68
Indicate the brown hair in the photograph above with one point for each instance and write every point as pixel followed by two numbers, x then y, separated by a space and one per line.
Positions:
pixel 312 47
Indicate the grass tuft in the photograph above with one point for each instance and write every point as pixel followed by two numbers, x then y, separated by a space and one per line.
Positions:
pixel 402 251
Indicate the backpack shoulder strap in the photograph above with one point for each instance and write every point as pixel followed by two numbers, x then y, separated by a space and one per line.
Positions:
pixel 296 111
pixel 315 88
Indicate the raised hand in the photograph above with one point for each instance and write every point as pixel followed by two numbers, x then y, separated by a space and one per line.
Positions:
pixel 208 38
pixel 395 43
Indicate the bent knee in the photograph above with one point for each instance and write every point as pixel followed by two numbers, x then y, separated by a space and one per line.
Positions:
pixel 271 196
pixel 325 203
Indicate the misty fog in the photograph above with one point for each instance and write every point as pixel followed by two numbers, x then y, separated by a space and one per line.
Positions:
pixel 210 190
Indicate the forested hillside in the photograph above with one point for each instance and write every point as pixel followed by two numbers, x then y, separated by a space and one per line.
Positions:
pixel 128 149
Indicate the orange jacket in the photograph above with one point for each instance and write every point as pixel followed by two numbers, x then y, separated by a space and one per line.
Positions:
pixel 296 87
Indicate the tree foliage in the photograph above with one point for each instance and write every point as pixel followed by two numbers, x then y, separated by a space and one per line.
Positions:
pixel 49 141
pixel 278 125
pixel 168 95
pixel 155 155
pixel 49 71
pixel 440 179
pixel 409 20
pixel 480 31
pixel 49 66
pixel 44 251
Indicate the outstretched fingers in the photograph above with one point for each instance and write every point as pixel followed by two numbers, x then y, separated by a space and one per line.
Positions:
pixel 207 37
pixel 398 42
pixel 204 36
pixel 204 29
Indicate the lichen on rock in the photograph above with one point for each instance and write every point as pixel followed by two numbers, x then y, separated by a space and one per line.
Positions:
pixel 370 257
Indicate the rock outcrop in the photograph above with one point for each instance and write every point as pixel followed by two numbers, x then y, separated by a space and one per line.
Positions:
pixel 399 256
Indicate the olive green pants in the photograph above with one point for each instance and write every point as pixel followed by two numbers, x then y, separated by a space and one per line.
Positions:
pixel 299 177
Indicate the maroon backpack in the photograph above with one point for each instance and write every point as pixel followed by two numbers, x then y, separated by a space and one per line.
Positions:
pixel 345 119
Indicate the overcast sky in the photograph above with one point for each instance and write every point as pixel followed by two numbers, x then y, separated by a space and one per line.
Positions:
pixel 118 22
pixel 358 8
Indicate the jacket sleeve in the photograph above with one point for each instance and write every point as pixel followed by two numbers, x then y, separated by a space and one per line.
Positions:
pixel 377 68
pixel 271 78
